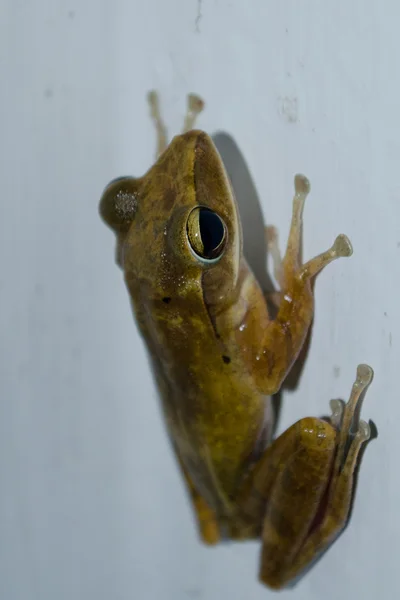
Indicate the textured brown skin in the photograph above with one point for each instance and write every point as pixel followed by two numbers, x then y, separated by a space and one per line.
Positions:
pixel 217 356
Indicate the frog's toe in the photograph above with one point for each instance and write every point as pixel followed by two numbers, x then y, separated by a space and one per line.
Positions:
pixel 364 431
pixel 337 407
pixel 301 184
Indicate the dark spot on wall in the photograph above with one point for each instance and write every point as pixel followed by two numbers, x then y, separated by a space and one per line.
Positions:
pixel 166 300
pixel 226 359
pixel 198 16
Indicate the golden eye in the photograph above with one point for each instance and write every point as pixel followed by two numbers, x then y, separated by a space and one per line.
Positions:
pixel 206 233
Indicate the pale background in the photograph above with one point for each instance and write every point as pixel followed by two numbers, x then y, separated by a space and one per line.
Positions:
pixel 91 504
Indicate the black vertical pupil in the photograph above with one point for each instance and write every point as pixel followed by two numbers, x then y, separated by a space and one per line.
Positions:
pixel 211 230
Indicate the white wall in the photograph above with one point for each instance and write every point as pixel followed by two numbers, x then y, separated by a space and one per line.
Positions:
pixel 91 504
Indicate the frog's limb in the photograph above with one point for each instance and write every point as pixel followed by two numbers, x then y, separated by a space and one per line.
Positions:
pixel 206 518
pixel 194 107
pixel 301 489
pixel 284 336
pixel 271 237
pixel 161 130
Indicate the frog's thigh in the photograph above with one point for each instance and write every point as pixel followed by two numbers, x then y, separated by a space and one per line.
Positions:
pixel 285 491
pixel 206 518
pixel 331 516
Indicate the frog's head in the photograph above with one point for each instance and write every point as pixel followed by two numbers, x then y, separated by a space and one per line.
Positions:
pixel 177 227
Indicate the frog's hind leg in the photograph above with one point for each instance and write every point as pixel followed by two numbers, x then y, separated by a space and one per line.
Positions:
pixel 284 492
pixel 301 489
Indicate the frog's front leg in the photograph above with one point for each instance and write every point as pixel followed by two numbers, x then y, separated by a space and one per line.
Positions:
pixel 301 489
pixel 161 130
pixel 194 107
pixel 284 336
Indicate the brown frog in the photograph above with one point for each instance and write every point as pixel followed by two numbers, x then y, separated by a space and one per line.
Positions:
pixel 218 355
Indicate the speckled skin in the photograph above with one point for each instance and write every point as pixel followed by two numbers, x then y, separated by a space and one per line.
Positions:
pixel 218 356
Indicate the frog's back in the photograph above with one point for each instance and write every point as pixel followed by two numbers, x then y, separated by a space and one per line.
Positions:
pixel 198 305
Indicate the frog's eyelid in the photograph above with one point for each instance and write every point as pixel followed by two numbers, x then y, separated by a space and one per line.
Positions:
pixel 206 261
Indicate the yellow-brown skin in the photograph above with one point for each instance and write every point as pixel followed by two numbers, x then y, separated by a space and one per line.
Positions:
pixel 218 356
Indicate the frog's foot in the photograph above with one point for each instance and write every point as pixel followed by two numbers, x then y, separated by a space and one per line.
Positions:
pixel 291 264
pixel 195 106
pixel 343 418
pixel 288 548
pixel 161 130
pixel 341 248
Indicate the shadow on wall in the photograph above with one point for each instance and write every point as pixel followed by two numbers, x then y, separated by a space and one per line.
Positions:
pixel 255 248
pixel 249 207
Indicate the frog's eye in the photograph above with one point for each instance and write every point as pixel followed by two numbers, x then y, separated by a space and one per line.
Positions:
pixel 206 233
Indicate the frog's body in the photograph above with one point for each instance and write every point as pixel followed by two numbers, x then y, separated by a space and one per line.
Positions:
pixel 217 418
pixel 218 356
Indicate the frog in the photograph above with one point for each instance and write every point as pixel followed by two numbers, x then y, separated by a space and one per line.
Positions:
pixel 218 354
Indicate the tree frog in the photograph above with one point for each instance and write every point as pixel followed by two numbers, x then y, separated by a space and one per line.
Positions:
pixel 218 355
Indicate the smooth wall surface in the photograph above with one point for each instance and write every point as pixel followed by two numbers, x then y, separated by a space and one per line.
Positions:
pixel 91 503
